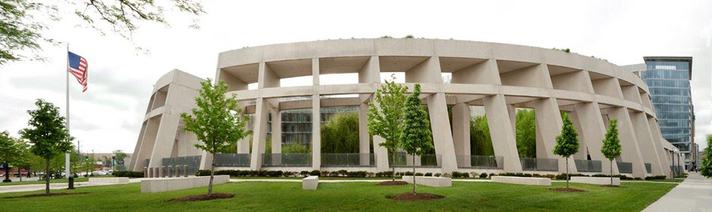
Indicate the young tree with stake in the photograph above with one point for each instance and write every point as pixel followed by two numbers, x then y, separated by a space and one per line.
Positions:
pixel 416 138
pixel 48 134
pixel 611 144
pixel 384 120
pixel 567 142
pixel 218 122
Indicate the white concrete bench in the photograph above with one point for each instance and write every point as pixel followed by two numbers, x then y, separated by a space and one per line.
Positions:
pixel 430 181
pixel 310 183
pixel 522 180
pixel 596 180
pixel 153 185
pixel 109 180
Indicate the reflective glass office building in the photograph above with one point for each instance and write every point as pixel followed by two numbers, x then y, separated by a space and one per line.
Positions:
pixel 668 79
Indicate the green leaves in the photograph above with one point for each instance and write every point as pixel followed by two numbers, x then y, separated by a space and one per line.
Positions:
pixel 526 133
pixel 611 143
pixel 340 134
pixel 384 120
pixel 217 122
pixel 706 166
pixel 567 142
pixel 47 132
pixel 416 138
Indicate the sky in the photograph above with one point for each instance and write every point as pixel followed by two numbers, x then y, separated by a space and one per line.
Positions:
pixel 108 116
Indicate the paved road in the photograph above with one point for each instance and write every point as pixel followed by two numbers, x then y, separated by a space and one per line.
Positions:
pixel 693 194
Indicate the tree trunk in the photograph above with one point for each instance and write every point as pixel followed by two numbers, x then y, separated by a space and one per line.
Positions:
pixel 567 172
pixel 7 173
pixel 19 173
pixel 611 166
pixel 212 172
pixel 414 174
pixel 393 168
pixel 47 176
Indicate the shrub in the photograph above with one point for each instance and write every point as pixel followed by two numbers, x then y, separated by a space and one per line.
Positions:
pixel 333 174
pixel 314 173
pixel 289 174
pixel 492 174
pixel 438 174
pixel 460 175
pixel 326 173
pixel 128 174
pixel 446 175
pixel 408 174
pixel 202 173
pixel 384 174
pixel 356 174
pixel 428 174
pixel 343 173
pixel 304 173
pixel 418 174
pixel 370 174
pixel 563 176
pixel 656 177
pixel 483 175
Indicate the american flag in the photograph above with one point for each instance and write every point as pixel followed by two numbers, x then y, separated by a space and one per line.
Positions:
pixel 78 67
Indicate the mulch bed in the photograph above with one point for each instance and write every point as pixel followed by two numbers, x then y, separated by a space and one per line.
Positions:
pixel 202 197
pixel 614 186
pixel 417 197
pixel 388 183
pixel 45 195
pixel 566 189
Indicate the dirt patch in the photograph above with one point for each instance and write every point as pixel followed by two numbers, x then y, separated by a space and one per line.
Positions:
pixel 45 195
pixel 202 197
pixel 388 183
pixel 613 186
pixel 566 190
pixel 416 197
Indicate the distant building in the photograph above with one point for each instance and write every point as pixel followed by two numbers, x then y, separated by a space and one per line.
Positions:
pixel 668 79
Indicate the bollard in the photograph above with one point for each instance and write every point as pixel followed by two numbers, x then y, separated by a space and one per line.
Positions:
pixel 177 171
pixel 185 170
pixel 155 172
pixel 160 172
pixel 150 172
pixel 145 172
pixel 170 171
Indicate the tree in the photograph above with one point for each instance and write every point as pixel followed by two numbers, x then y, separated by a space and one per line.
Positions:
pixel 22 159
pixel 8 153
pixel 706 169
pixel 416 138
pixel 119 157
pixel 217 122
pixel 567 142
pixel 340 134
pixel 296 147
pixel 22 30
pixel 526 133
pixel 611 144
pixel 89 164
pixel 48 134
pixel 480 138
pixel 384 120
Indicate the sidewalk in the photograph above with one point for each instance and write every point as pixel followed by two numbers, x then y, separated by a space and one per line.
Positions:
pixel 693 194
pixel 52 186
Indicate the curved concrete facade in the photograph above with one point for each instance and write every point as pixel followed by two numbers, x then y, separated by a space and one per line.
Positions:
pixel 499 77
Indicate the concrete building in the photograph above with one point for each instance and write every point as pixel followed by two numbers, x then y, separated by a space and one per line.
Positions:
pixel 668 79
pixel 497 77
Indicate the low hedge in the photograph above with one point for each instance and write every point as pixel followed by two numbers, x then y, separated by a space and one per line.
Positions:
pixel 264 173
pixel 128 174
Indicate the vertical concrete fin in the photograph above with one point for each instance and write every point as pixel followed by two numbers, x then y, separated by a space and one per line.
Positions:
pixel 629 143
pixel 442 137
pixel 502 133
pixel 593 131
pixel 259 133
pixel 316 132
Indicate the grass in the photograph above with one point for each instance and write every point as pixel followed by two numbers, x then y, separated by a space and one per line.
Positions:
pixel 286 196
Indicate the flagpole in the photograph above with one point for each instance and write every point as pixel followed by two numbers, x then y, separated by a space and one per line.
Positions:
pixel 67 155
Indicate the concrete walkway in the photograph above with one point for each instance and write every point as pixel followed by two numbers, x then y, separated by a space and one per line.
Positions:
pixel 693 194
pixel 53 186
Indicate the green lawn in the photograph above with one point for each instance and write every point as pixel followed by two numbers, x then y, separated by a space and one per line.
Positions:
pixel 271 196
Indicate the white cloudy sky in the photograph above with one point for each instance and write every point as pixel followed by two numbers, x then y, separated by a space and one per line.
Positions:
pixel 108 116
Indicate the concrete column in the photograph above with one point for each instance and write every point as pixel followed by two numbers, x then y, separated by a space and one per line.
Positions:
pixel 629 143
pixel 243 145
pixel 157 172
pixel 276 131
pixel 442 136
pixel 363 136
pixel 149 172
pixel 549 123
pixel 165 138
pixel 170 171
pixel 461 133
pixel 185 170
pixel 316 132
pixel 657 142
pixel 646 142
pixel 259 134
pixel 593 130
pixel 161 171
pixel 502 133
pixel 177 171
